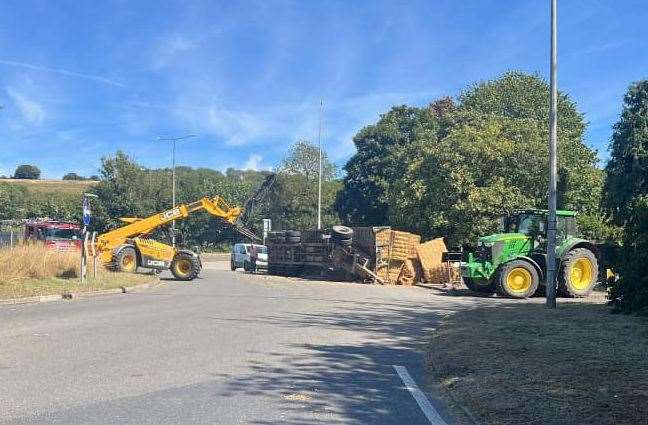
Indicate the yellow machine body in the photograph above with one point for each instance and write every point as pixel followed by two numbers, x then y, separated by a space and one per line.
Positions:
pixel 153 254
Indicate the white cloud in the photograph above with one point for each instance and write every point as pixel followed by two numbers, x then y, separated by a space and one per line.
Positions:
pixel 253 162
pixel 31 111
pixel 65 72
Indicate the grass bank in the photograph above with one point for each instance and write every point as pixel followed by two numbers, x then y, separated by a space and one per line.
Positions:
pixel 34 271
pixel 514 363
pixel 53 186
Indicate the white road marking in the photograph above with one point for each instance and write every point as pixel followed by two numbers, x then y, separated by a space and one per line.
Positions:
pixel 428 410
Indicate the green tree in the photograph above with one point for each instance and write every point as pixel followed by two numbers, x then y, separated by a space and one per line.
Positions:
pixel 626 199
pixel 292 203
pixel 451 169
pixel 27 171
pixel 371 171
pixel 73 176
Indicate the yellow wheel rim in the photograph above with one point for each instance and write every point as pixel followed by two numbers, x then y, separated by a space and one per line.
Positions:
pixel 580 275
pixel 519 280
pixel 183 267
pixel 128 262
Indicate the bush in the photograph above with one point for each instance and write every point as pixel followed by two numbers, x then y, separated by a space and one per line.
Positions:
pixel 27 171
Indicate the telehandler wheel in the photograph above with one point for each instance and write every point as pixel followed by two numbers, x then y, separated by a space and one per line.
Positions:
pixel 185 266
pixel 517 279
pixel 578 273
pixel 126 260
pixel 477 285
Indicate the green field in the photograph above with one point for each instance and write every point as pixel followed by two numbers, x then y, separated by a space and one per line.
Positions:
pixel 52 186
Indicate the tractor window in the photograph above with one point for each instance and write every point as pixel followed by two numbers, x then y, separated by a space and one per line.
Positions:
pixel 531 224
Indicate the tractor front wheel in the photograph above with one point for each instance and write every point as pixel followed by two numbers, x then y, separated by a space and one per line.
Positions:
pixel 517 279
pixel 578 273
pixel 185 266
pixel 479 285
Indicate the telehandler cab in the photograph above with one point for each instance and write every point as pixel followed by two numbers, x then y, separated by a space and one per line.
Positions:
pixel 513 263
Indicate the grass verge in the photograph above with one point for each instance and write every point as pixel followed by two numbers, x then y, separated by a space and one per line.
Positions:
pixel 514 363
pixel 33 270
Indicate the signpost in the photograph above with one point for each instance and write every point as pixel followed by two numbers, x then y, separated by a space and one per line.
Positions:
pixel 87 215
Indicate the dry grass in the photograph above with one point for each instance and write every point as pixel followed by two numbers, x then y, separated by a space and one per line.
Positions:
pixel 36 262
pixel 33 270
pixel 519 363
pixel 52 186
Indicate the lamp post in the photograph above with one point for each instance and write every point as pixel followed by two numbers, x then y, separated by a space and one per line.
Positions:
pixel 319 182
pixel 553 135
pixel 173 178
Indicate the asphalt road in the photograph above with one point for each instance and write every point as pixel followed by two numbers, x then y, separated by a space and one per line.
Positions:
pixel 228 348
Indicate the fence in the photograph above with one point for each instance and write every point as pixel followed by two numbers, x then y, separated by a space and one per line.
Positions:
pixel 11 233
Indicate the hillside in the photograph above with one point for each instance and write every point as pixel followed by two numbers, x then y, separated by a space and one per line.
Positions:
pixel 52 186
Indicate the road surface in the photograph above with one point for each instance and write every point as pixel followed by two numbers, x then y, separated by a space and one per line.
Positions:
pixel 228 348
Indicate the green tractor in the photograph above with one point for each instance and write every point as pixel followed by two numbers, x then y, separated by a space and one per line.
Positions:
pixel 514 263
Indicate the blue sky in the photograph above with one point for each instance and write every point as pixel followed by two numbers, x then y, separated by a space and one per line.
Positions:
pixel 82 79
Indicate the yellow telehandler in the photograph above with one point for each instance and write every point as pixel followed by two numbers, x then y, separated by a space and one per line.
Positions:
pixel 127 247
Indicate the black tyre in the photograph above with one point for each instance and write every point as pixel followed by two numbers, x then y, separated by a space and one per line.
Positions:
pixel 293 233
pixel 341 232
pixel 479 285
pixel 342 242
pixel 232 265
pixel 517 279
pixel 293 239
pixel 126 260
pixel 578 273
pixel 185 266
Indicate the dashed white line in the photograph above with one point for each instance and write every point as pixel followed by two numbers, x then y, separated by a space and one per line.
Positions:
pixel 426 407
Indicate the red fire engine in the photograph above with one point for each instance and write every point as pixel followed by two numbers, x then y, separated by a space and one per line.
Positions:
pixel 59 235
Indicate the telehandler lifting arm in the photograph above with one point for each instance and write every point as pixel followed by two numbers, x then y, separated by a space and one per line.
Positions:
pixel 143 226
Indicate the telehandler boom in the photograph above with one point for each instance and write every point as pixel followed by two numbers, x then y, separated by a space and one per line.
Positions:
pixel 127 247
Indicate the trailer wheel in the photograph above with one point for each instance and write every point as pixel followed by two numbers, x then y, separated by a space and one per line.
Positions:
pixel 578 273
pixel 342 232
pixel 126 260
pixel 517 279
pixel 185 266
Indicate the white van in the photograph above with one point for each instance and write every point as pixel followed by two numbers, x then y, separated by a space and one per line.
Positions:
pixel 240 256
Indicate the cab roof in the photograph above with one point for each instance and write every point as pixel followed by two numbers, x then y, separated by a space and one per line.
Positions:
pixel 560 213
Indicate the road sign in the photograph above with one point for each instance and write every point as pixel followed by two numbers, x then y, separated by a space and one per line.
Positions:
pixel 86 212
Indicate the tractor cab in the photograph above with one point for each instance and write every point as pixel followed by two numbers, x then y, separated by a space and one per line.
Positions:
pixel 533 223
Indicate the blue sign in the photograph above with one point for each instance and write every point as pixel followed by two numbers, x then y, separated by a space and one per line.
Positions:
pixel 86 212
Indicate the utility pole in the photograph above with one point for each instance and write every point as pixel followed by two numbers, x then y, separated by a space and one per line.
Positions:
pixel 173 178
pixel 319 186
pixel 553 135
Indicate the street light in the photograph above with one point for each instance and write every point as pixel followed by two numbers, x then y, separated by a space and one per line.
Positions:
pixel 553 134
pixel 173 179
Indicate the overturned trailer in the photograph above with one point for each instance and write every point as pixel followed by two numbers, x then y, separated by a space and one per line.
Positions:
pixel 368 254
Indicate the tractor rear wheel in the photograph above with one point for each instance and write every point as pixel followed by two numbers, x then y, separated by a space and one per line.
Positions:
pixel 517 279
pixel 479 285
pixel 126 260
pixel 578 273
pixel 185 266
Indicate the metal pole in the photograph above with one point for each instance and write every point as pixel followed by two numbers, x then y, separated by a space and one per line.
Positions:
pixel 553 134
pixel 173 185
pixel 173 178
pixel 319 185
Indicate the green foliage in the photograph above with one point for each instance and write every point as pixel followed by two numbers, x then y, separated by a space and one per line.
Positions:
pixel 452 170
pixel 73 176
pixel 16 202
pixel 294 195
pixel 626 199
pixel 377 163
pixel 27 171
